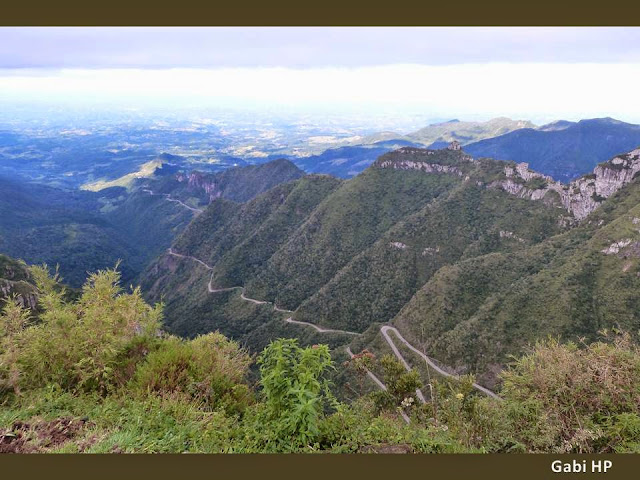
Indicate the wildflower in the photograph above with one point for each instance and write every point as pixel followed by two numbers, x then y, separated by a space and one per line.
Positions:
pixel 407 402
pixel 459 396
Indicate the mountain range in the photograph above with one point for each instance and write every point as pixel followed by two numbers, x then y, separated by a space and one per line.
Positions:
pixel 439 135
pixel 473 258
pixel 563 150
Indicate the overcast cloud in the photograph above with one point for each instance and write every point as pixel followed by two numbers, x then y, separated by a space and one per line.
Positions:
pixel 309 47
pixel 529 73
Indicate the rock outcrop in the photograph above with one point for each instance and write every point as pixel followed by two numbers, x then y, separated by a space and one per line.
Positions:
pixel 580 197
pixel 201 181
pixel 431 161
pixel 615 247
pixel 22 292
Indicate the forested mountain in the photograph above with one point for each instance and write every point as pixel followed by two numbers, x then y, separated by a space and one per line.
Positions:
pixel 85 231
pixel 161 207
pixel 445 246
pixel 564 150
pixel 40 224
pixel 348 161
pixel 426 252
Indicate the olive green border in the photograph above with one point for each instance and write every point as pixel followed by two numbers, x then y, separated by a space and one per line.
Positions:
pixel 312 13
pixel 319 12
pixel 307 467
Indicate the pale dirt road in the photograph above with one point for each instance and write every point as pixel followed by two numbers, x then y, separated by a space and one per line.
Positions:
pixel 384 330
pixel 319 329
pixel 175 200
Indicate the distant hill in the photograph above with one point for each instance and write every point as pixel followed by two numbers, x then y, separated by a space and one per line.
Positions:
pixel 564 150
pixel 146 170
pixel 465 132
pixel 348 161
pixel 161 207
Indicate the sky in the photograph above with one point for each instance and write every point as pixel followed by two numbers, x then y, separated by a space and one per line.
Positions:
pixel 540 74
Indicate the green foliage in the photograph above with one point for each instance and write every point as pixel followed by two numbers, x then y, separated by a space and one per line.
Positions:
pixel 77 345
pixel 558 398
pixel 294 389
pixel 209 370
pixel 358 428
pixel 587 396
pixel 401 385
pixel 95 376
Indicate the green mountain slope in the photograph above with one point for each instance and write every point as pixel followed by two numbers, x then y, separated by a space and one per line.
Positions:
pixel 44 225
pixel 472 259
pixel 238 239
pixel 159 209
pixel 347 222
pixel 473 314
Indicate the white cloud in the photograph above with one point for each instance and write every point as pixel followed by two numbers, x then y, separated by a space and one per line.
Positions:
pixel 523 90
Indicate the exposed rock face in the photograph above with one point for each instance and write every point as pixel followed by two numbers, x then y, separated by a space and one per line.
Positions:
pixel 455 145
pixel 201 181
pixel 615 247
pixel 508 234
pixel 398 245
pixel 9 288
pixel 580 197
pixel 430 251
pixel 425 167
pixel 409 158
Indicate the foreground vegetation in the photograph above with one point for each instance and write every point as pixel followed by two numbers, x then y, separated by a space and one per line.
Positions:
pixel 97 374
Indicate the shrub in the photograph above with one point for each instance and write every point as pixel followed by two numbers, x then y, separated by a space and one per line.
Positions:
pixel 401 385
pixel 209 370
pixel 565 399
pixel 295 389
pixel 75 345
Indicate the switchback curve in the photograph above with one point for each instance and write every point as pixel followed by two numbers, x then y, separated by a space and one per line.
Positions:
pixel 384 330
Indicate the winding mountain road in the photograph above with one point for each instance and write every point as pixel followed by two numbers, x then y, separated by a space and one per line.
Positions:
pixel 384 330
pixel 320 329
pixel 171 199
pixel 385 333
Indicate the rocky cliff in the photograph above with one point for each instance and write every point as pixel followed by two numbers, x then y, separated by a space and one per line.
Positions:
pixel 580 197
pixel 451 161
pixel 201 181
pixel 15 281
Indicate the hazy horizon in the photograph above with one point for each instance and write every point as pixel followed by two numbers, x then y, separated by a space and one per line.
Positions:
pixel 476 73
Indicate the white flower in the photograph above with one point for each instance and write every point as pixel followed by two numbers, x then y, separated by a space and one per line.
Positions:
pixel 407 402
